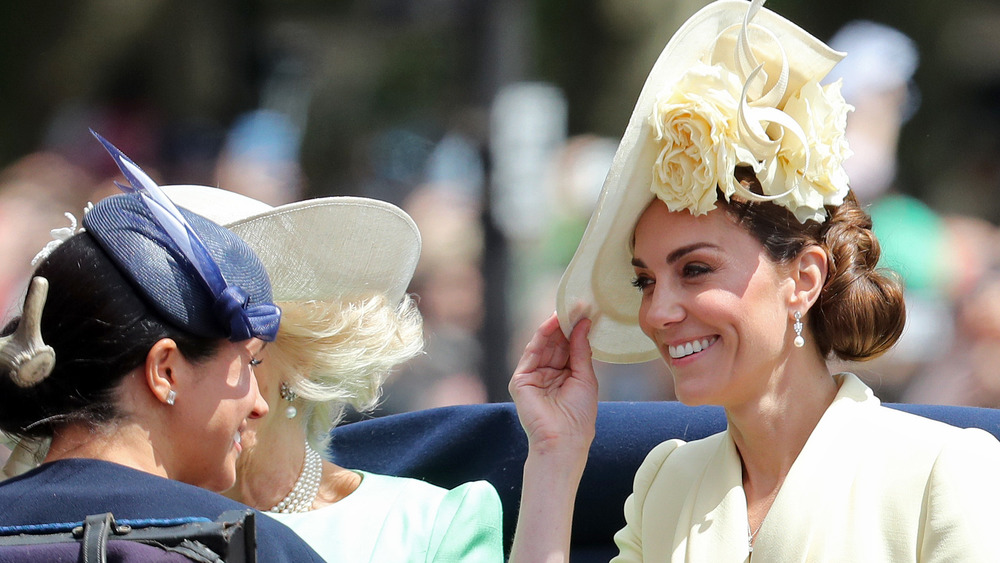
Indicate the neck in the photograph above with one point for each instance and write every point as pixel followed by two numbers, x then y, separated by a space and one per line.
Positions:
pixel 771 430
pixel 269 466
pixel 123 443
pixel 268 470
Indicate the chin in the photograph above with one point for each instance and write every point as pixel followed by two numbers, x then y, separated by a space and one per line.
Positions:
pixel 225 476
pixel 222 483
pixel 693 400
pixel 693 395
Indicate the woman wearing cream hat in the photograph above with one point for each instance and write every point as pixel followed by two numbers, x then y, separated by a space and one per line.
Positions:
pixel 339 269
pixel 726 241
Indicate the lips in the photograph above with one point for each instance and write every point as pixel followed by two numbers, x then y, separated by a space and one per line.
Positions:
pixel 693 347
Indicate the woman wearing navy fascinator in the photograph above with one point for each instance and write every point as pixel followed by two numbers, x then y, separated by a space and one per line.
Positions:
pixel 134 358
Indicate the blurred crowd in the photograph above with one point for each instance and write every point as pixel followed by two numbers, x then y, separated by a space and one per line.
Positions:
pixel 501 200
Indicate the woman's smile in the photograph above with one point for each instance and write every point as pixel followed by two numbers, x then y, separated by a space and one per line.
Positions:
pixel 686 349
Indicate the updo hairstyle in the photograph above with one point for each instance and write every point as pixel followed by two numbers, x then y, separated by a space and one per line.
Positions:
pixel 100 330
pixel 860 312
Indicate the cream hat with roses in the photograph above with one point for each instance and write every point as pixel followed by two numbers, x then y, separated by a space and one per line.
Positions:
pixel 737 85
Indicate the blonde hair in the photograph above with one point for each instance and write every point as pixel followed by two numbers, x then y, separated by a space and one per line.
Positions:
pixel 335 354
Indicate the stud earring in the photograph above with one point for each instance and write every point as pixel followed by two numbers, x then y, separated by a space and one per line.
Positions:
pixel 171 397
pixel 288 394
pixel 799 341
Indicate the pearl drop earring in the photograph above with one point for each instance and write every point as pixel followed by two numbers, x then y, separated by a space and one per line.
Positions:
pixel 288 394
pixel 799 341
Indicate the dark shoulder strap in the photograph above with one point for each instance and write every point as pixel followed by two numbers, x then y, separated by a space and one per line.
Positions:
pixel 96 528
pixel 230 538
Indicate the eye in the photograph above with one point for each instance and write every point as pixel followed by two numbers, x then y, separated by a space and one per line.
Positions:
pixel 255 362
pixel 695 269
pixel 642 282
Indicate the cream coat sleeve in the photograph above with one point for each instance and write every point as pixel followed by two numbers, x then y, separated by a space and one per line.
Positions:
pixel 629 538
pixel 963 501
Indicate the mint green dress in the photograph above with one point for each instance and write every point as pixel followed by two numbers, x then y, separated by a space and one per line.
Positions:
pixel 393 519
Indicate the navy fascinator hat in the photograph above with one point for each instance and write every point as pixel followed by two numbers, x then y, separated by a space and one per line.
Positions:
pixel 198 275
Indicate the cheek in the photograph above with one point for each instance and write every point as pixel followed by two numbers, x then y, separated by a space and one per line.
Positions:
pixel 765 326
pixel 643 313
pixel 243 381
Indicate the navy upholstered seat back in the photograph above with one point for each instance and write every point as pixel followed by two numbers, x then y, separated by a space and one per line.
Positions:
pixel 452 445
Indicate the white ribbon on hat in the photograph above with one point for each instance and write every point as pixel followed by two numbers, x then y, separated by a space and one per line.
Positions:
pixel 752 114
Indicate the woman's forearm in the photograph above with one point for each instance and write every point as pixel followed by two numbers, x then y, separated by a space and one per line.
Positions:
pixel 545 518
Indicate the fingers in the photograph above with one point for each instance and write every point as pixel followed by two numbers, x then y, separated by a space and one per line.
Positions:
pixel 550 350
pixel 580 355
pixel 555 349
pixel 540 350
pixel 580 352
pixel 579 345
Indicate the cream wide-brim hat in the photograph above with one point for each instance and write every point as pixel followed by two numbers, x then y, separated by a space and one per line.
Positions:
pixel 597 282
pixel 331 248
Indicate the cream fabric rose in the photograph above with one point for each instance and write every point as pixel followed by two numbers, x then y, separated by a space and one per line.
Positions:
pixel 695 128
pixel 822 180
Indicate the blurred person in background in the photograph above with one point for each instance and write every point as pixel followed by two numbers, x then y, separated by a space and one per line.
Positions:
pixel 260 158
pixel 965 372
pixel 878 81
pixel 448 283
pixel 35 190
pixel 940 258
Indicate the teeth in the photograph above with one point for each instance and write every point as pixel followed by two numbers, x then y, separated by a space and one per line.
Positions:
pixel 690 347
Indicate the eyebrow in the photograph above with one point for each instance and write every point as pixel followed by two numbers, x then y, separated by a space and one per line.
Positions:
pixel 677 254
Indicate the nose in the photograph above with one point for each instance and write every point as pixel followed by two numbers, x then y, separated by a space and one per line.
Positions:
pixel 660 309
pixel 260 407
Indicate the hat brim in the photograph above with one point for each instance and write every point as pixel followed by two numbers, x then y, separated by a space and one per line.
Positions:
pixel 596 284
pixel 332 248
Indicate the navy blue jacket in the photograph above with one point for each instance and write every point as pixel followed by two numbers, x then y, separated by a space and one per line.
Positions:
pixel 69 490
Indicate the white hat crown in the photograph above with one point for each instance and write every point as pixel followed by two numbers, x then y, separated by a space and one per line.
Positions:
pixel 340 248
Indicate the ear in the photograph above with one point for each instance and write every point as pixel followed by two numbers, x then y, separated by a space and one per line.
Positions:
pixel 808 272
pixel 161 365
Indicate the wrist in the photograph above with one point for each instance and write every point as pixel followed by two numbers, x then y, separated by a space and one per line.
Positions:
pixel 566 461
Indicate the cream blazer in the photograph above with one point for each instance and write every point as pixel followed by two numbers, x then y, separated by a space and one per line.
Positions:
pixel 871 484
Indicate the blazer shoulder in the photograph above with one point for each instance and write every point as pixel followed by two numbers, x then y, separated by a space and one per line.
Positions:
pixel 682 460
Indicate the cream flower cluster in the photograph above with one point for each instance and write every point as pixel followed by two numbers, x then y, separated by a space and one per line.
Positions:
pixel 700 140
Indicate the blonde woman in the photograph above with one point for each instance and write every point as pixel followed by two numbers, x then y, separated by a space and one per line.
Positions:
pixel 339 268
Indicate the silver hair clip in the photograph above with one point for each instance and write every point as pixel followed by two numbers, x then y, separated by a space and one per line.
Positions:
pixel 24 352
pixel 60 235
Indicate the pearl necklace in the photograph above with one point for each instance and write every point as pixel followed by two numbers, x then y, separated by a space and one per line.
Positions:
pixel 303 494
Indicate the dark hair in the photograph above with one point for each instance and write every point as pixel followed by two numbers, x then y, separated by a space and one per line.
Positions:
pixel 100 330
pixel 860 312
